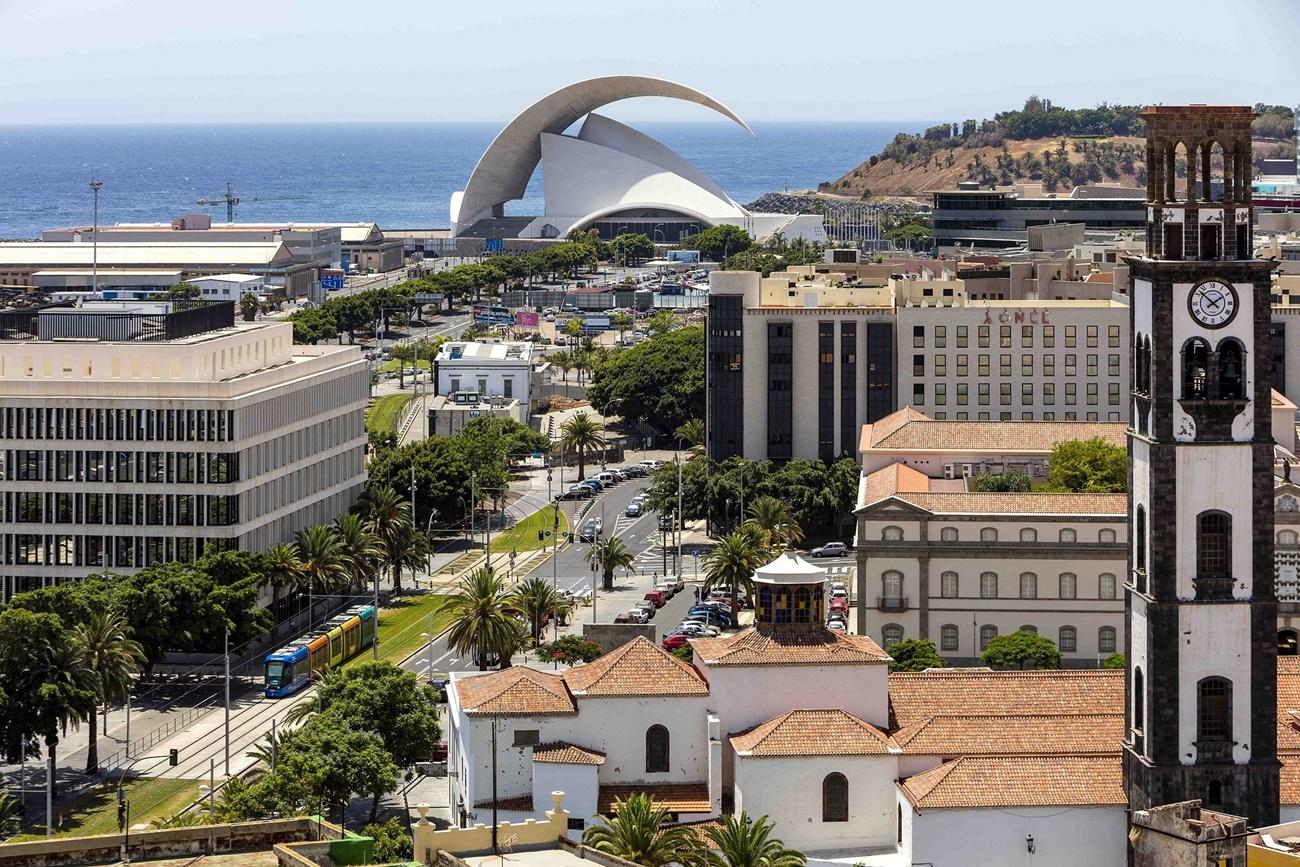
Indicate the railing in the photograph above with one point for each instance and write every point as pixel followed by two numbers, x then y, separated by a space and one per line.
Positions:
pixel 142 745
pixel 185 319
pixel 891 603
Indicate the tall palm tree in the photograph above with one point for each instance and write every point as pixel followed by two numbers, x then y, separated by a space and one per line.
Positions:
pixel 248 306
pixel 391 520
pixel 641 831
pixel 282 568
pixel 480 618
pixel 563 362
pixel 109 653
pixel 323 565
pixel 536 599
pixel 744 842
pixel 611 554
pixel 580 433
pixel 68 691
pixel 732 562
pixel 411 551
pixel 11 816
pixel 776 520
pixel 691 432
pixel 360 547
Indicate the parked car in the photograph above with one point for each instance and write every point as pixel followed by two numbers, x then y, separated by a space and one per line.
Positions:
pixel 440 684
pixel 837 625
pixel 676 581
pixel 594 487
pixel 648 607
pixel 839 585
pixel 651 464
pixel 669 590
pixel 622 618
pixel 633 510
pixel 711 616
pixel 595 483
pixel 830 549
pixel 658 597
pixel 839 593
pixel 637 615
pixel 589 531
pixel 699 628
pixel 838 603
pixel 666 521
pixel 439 752
pixel 618 476
pixel 607 479
pixel 635 470
pixel 576 492
pixel 674 640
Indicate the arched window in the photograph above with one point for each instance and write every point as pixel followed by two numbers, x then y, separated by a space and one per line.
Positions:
pixel 892 534
pixel 891 633
pixel 835 798
pixel 988 534
pixel 1068 639
pixel 892 582
pixel 1287 537
pixel 1213 545
pixel 1196 364
pixel 1106 537
pixel 949 585
pixel 988 632
pixel 1106 586
pixel 1106 639
pixel 1145 367
pixel 1028 534
pixel 1214 793
pixel 803 609
pixel 1068 535
pixel 1214 709
pixel 1139 700
pixel 1232 372
pixel 1288 643
pixel 1069 586
pixel 948 534
pixel 1140 547
pixel 1030 628
pixel 656 750
pixel 989 585
pixel 1028 585
pixel 949 638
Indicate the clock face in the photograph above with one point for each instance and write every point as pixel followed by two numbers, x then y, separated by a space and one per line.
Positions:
pixel 1213 303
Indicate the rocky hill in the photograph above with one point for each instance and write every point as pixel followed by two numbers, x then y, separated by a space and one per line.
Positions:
pixel 1061 148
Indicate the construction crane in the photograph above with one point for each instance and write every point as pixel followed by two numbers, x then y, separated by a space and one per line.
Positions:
pixel 230 200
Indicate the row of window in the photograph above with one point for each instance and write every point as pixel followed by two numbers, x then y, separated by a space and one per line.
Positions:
pixel 990 534
pixel 23 549
pixel 119 510
pixel 151 425
pixel 1049 415
pixel 1067 637
pixel 1067 585
pixel 1046 335
pixel 1092 391
pixel 984 368
pixel 202 468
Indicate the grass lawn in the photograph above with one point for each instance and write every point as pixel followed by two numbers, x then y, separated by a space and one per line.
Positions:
pixel 400 625
pixel 95 812
pixel 523 536
pixel 395 364
pixel 384 413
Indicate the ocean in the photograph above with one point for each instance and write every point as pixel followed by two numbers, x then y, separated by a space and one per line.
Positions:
pixel 400 175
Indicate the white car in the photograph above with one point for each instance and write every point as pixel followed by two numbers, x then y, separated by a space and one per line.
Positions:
pixel 830 549
pixel 838 585
pixel 699 627
pixel 652 465
pixel 840 594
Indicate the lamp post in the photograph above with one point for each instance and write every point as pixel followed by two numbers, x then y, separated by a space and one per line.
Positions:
pixel 95 185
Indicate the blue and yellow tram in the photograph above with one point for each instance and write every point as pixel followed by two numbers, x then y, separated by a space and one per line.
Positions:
pixel 292 667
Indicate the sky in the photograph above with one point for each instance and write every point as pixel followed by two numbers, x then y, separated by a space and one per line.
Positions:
pixel 132 61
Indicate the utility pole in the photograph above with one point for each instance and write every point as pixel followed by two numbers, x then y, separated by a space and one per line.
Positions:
pixel 681 520
pixel 95 185
pixel 375 644
pixel 227 701
pixel 473 501
pixel 273 746
pixel 494 784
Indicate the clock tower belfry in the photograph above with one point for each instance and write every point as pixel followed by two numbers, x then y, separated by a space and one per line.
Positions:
pixel 1201 704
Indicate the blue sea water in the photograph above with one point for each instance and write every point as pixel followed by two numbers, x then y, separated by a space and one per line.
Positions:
pixel 400 175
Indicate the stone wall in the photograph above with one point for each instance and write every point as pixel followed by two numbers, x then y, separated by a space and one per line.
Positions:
pixel 612 635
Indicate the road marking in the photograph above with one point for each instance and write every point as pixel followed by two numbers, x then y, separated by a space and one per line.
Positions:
pixel 444 656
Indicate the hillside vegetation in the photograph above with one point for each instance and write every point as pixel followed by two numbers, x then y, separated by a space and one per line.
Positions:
pixel 1059 147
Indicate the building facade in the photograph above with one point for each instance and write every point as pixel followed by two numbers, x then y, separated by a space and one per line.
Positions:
pixel 162 433
pixel 510 371
pixel 998 219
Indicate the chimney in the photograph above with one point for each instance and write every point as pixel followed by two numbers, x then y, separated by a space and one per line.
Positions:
pixel 715 765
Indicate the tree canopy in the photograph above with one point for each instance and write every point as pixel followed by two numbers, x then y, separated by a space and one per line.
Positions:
pixel 914 654
pixel 718 242
pixel 659 381
pixel 1022 650
pixel 1091 466
pixel 1011 481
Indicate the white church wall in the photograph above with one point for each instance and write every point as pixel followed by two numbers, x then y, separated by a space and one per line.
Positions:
pixel 617 727
pixel 1218 471
pixel 1213 646
pixel 1063 836
pixel 578 782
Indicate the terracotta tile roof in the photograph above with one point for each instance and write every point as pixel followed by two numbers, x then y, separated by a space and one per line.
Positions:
pixel 519 804
pixel 639 667
pixel 877 431
pixel 813 733
pixel 1288 704
pixel 923 433
pixel 699 829
pixel 516 691
pixel 917 696
pixel 1289 793
pixel 894 479
pixel 965 735
pixel 562 753
pixel 674 797
pixel 1019 781
pixel 816 647
pixel 947 503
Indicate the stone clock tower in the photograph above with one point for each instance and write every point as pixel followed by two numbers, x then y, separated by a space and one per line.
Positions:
pixel 1201 705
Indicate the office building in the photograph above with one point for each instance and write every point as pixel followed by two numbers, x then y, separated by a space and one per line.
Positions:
pixel 513 371
pixel 141 433
pixel 995 219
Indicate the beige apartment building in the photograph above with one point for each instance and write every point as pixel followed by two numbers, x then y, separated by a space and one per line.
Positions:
pixel 140 433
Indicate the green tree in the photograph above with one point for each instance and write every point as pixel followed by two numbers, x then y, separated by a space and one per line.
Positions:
pixel 732 562
pixel 249 306
pixel 914 654
pixel 569 649
pixel 333 762
pixel 1011 481
pixel 389 518
pixel 360 548
pixel 659 382
pixel 1114 660
pixel 442 475
pixel 1088 466
pixel 691 432
pixel 739 841
pixel 282 568
pixel 717 243
pixel 324 565
pixel 775 519
pixel 11 815
pixel 661 322
pixel 405 354
pixel 641 831
pixel 480 618
pixel 631 248
pixel 621 322
pixel 573 327
pixel 393 842
pixel 611 553
pixel 536 600
pixel 1022 650
pixel 580 434
pixel 109 653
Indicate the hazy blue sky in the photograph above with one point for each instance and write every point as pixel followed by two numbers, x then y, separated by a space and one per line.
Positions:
pixel 324 60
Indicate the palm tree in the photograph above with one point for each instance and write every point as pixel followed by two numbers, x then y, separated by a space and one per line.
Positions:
pixel 580 433
pixel 11 816
pixel 641 832
pixel 562 362
pixel 282 568
pixel 391 520
pixel 744 842
pixel 360 548
pixel 323 563
pixel 248 306
pixel 411 552
pixel 68 692
pixel 776 520
pixel 612 554
pixel 535 599
pixel 109 653
pixel 265 749
pixel 691 432
pixel 732 562
pixel 481 618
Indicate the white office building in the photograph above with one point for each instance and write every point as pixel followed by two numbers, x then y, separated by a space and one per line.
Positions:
pixel 512 371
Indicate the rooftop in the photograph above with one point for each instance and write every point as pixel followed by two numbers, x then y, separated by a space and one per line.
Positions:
pixel 832 732
pixel 1000 734
pixel 909 429
pixel 816 647
pixel 673 797
pixel 561 753
pixel 789 568
pixel 917 696
pixel 131 321
pixel 636 668
pixel 475 351
pixel 1019 781
pixel 131 253
pixel 516 691
pixel 1019 503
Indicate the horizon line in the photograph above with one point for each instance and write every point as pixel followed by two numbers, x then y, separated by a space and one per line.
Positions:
pixel 699 122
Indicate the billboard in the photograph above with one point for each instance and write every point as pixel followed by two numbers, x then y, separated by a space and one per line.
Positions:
pixel 690 257
pixel 527 319
pixel 331 278
pixel 493 315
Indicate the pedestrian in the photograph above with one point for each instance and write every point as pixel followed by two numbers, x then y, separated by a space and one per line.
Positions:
pixel 697 593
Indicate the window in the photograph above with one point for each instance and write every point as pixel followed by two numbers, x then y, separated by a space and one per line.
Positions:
pixel 1232 385
pixel 989 585
pixel 1196 363
pixel 1049 365
pixel 1027 364
pixel 1028 534
pixel 1092 336
pixel 1106 639
pixel 1004 336
pixel 1026 336
pixel 918 336
pixel 891 534
pixel 1029 628
pixel 1214 709
pixel 1068 587
pixel 983 365
pixel 984 337
pixel 963 393
pixel 1106 586
pixel 941 336
pixel 1004 365
pixel 527 737
pixel 1092 398
pixel 656 750
pixel 1069 535
pixel 962 340
pixel 1027 394
pixel 1071 392
pixel 1112 336
pixel 1049 336
pixel 948 534
pixel 988 534
pixel 835 798
pixel 941 365
pixel 1287 537
pixel 1068 639
pixel 1213 545
pixel 1004 394
pixel 1106 537
pixel 984 398
pixel 891 583
pixel 1139 700
pixel 1071 364
pixel 1112 394
pixel 949 638
pixel 891 634
pixel 949 584
pixel 1028 585
pixel 1112 364
pixel 1140 539
pixel 918 365
pixel 940 393
pixel 988 632
pixel 1071 336
pixel 963 364
pixel 1049 394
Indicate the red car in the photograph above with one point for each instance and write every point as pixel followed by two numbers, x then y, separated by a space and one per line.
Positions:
pixel 675 640
pixel 838 603
pixel 655 596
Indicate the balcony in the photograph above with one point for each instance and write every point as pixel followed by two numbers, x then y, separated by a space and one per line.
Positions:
pixel 1215 752
pixel 891 603
pixel 1217 588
